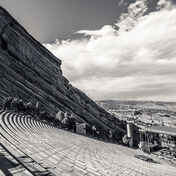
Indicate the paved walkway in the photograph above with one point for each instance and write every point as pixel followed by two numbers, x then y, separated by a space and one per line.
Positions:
pixel 41 149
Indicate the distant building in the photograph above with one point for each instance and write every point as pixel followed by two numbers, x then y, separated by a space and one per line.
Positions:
pixel 150 138
pixel 155 137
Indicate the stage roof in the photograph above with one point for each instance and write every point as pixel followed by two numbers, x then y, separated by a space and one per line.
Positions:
pixel 161 129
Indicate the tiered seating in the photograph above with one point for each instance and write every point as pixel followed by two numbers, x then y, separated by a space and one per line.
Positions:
pixel 44 149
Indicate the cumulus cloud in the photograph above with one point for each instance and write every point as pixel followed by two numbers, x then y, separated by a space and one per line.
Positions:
pixel 135 11
pixel 135 61
pixel 104 31
pixel 165 4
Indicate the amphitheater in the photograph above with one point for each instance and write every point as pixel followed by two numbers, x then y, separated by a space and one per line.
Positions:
pixel 30 147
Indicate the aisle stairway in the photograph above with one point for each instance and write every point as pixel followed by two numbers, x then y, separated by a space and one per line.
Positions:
pixel 40 149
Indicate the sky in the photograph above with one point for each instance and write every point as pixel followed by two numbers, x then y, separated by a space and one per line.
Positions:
pixel 48 20
pixel 110 49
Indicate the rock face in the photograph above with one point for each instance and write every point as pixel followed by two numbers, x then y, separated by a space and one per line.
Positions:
pixel 29 71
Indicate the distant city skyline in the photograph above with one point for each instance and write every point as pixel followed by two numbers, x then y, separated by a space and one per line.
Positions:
pixel 115 49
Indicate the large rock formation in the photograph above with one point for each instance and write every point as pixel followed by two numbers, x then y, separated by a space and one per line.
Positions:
pixel 29 71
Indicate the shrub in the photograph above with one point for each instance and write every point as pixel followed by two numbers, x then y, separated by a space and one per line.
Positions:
pixel 59 116
pixel 42 115
pixel 57 122
pixel 66 115
pixel 64 122
pixel 71 123
pixel 110 134
pixel 14 104
pixel 94 128
pixel 6 102
pixel 21 106
pixel 49 117
pixel 136 113
pixel 28 107
pixel 46 116
pixel 125 139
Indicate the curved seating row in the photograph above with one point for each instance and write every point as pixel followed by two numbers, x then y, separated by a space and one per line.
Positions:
pixel 62 152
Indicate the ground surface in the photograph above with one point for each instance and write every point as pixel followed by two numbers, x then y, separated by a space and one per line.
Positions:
pixel 29 147
pixel 151 111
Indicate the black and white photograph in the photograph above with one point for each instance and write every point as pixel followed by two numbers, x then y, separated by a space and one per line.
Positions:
pixel 87 87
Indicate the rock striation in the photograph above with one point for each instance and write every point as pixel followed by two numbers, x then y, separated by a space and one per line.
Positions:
pixel 29 71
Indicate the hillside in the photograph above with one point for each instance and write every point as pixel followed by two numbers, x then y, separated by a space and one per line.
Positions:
pixel 29 71
pixel 156 111
pixel 124 104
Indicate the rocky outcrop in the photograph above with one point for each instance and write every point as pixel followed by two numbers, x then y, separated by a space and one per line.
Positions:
pixel 29 71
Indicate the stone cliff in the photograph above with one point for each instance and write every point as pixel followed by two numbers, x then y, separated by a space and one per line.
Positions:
pixel 29 71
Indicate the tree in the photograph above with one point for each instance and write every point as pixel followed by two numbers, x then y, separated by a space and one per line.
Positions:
pixel 71 123
pixel 65 122
pixel 125 139
pixel 136 113
pixel 59 116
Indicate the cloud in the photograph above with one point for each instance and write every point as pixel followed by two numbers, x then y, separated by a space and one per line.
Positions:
pixel 135 61
pixel 123 3
pixel 165 4
pixel 104 31
pixel 135 10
